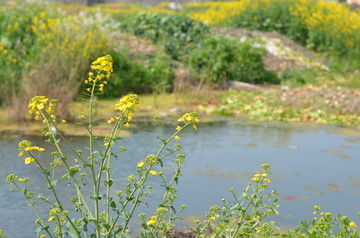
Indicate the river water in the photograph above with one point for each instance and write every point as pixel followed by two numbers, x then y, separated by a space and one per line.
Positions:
pixel 311 166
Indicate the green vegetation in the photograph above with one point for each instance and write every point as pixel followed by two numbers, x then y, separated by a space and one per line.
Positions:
pixel 220 59
pixel 329 28
pixel 110 209
pixel 131 76
pixel 212 59
pixel 306 104
pixel 39 43
pixel 46 49
pixel 178 34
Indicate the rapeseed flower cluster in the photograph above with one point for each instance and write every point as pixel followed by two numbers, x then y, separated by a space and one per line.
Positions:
pixel 42 106
pixel 332 19
pixel 103 66
pixel 128 105
pixel 216 12
pixel 152 221
pixel 320 25
pixel 25 146
pixel 57 213
pixel 260 177
pixel 189 117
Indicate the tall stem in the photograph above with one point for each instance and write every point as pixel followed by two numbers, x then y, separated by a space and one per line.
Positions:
pixel 57 146
pixel 244 211
pixel 51 186
pixel 92 163
pixel 32 205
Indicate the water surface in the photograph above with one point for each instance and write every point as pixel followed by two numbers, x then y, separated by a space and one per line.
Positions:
pixel 311 166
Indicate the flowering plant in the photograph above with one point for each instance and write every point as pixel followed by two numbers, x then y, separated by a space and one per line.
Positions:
pixel 108 213
pixel 101 214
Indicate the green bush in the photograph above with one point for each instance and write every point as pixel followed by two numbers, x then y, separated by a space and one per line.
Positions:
pixel 131 76
pixel 329 28
pixel 220 58
pixel 17 41
pixel 178 34
pixel 212 58
pixel 44 51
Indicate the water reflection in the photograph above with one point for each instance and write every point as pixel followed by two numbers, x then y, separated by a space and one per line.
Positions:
pixel 312 166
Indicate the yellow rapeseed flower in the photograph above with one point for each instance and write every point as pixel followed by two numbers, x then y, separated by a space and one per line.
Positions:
pixel 40 105
pixel 29 160
pixel 140 164
pixel 317 208
pixel 267 180
pixel 23 179
pixel 103 67
pixel 189 117
pixel 152 221
pixel 111 120
pixel 352 224
pixel 153 172
pixel 128 102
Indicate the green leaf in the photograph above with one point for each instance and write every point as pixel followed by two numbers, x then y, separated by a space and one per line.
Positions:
pixel 113 204
pixel 72 231
pixel 108 183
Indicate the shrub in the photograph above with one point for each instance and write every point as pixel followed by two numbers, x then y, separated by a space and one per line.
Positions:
pixel 47 53
pixel 131 76
pixel 178 34
pixel 327 27
pixel 212 59
pixel 220 58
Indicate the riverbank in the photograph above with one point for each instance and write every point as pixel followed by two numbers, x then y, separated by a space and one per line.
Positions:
pixel 309 105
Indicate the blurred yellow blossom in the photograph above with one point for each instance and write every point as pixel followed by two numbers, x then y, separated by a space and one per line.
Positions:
pixel 29 160
pixel 140 164
pixel 352 224
pixel 152 221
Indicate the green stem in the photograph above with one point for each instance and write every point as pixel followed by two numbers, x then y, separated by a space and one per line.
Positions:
pixel 244 211
pixel 106 160
pixel 92 164
pixel 51 186
pixel 127 220
pixel 62 156
pixel 203 229
pixel 32 205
